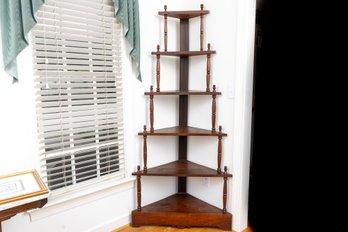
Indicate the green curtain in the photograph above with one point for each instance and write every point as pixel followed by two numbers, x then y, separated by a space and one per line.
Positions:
pixel 127 11
pixel 17 17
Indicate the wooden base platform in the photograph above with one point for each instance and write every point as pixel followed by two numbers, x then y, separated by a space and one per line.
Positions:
pixel 182 210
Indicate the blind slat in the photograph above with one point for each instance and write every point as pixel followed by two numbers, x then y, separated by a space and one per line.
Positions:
pixel 83 174
pixel 76 109
pixel 77 102
pixel 63 30
pixel 107 52
pixel 105 156
pixel 76 119
pixel 71 61
pixel 68 182
pixel 73 76
pixel 87 124
pixel 69 153
pixel 78 96
pixel 48 44
pixel 62 152
pixel 39 34
pixel 42 135
pixel 80 113
pixel 74 5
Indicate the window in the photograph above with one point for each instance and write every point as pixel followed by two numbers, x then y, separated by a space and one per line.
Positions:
pixel 77 68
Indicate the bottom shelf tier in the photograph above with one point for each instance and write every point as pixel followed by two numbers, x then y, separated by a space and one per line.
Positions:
pixel 182 210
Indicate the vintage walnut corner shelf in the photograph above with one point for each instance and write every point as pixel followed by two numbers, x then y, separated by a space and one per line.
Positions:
pixel 182 209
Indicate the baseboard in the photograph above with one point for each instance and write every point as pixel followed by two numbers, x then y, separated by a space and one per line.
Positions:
pixel 111 224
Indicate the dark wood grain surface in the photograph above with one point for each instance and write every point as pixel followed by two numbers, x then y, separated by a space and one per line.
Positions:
pixel 182 131
pixel 182 168
pixel 182 210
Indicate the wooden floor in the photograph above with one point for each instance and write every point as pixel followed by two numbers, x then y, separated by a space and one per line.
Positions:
pixel 169 229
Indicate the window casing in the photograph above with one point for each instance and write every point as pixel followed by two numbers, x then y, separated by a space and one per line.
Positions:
pixel 79 101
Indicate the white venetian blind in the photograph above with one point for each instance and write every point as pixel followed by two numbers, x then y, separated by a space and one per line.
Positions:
pixel 77 67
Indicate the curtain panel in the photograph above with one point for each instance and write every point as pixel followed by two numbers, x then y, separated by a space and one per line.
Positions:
pixel 127 11
pixel 17 17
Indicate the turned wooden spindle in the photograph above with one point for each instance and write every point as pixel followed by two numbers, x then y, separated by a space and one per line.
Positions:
pixel 219 149
pixel 158 69
pixel 213 111
pixel 201 31
pixel 165 29
pixel 145 149
pixel 138 188
pixel 208 69
pixel 151 109
pixel 224 197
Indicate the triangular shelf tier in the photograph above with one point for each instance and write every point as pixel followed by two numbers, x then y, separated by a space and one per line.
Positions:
pixel 182 209
pixel 182 131
pixel 182 168
pixel 182 93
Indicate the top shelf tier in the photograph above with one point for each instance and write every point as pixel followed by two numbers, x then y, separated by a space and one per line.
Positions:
pixel 184 14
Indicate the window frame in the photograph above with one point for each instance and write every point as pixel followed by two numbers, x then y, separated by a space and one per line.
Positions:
pixel 102 182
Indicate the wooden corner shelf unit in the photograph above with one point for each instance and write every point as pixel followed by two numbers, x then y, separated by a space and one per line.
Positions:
pixel 182 209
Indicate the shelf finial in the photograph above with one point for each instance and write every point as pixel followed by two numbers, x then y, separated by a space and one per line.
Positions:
pixel 202 6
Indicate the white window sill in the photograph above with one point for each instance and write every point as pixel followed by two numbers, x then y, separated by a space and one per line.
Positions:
pixel 81 197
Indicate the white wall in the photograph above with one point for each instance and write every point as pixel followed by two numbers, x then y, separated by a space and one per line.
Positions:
pixel 223 31
pixel 219 31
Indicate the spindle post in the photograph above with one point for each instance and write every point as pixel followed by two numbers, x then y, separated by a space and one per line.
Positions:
pixel 165 29
pixel 151 109
pixel 138 188
pixel 213 111
pixel 219 149
pixel 208 69
pixel 201 31
pixel 224 197
pixel 158 69
pixel 145 149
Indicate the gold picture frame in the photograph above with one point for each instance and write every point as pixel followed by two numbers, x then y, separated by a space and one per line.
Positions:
pixel 21 185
